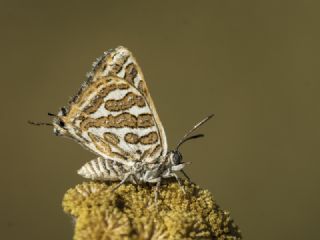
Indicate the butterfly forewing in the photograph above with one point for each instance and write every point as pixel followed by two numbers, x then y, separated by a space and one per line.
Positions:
pixel 121 63
pixel 113 114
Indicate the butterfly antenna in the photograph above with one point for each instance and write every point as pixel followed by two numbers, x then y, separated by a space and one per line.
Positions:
pixel 43 123
pixel 40 123
pixel 187 136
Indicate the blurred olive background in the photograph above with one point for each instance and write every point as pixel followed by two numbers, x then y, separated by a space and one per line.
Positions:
pixel 255 64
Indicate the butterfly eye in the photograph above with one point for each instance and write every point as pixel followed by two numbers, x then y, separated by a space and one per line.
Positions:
pixel 61 123
pixel 64 111
pixel 176 158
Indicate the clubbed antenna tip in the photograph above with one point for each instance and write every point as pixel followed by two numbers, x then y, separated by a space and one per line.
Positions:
pixel 187 136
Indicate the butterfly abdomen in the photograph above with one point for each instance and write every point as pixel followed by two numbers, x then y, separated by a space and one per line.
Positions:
pixel 102 169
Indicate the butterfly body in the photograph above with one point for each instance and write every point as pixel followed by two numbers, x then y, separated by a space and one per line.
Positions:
pixel 137 172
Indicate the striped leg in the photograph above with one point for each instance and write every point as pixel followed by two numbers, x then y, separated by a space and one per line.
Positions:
pixel 186 176
pixel 122 181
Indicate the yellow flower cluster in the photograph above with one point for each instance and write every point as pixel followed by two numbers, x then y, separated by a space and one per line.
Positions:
pixel 130 212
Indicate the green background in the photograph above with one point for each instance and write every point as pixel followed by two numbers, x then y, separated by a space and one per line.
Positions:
pixel 255 64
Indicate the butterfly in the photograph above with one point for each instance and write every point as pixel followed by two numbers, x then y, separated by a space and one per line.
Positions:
pixel 113 115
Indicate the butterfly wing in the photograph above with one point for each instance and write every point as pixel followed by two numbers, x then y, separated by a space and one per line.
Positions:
pixel 121 63
pixel 113 119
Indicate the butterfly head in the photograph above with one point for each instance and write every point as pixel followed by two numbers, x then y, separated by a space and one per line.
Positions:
pixel 59 124
pixel 174 159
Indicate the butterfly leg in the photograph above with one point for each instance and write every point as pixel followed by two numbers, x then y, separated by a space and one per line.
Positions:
pixel 156 193
pixel 134 179
pixel 186 176
pixel 178 180
pixel 122 181
pixel 156 180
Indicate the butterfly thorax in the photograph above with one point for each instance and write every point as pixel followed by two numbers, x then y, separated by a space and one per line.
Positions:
pixel 163 167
